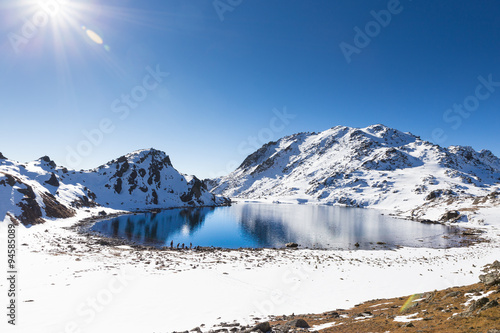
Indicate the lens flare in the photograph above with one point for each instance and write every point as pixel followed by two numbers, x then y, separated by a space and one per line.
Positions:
pixel 94 37
pixel 409 302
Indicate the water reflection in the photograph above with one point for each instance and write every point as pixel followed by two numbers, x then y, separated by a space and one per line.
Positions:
pixel 154 228
pixel 264 225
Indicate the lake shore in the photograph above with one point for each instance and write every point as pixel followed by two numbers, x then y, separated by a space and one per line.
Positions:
pixel 63 271
pixel 264 225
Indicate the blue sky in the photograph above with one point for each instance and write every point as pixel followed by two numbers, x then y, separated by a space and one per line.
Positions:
pixel 228 77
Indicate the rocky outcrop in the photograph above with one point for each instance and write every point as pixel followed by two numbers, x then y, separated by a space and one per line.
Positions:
pixel 492 274
pixel 376 166
pixel 53 180
pixel 140 180
pixel 54 208
pixel 30 211
pixel 49 162
pixel 450 216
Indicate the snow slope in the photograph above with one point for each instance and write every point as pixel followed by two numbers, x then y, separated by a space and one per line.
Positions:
pixel 69 282
pixel 144 179
pixel 376 166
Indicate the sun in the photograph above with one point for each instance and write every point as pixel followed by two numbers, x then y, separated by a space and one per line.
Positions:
pixel 66 14
pixel 53 8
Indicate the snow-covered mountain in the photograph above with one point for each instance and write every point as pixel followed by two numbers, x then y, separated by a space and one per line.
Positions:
pixel 144 179
pixel 376 167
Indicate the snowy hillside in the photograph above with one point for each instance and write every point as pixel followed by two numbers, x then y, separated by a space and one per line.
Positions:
pixel 144 179
pixel 375 167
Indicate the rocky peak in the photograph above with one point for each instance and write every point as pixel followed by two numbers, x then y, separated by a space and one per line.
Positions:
pixel 2 157
pixel 48 161
pixel 362 164
pixel 157 157
pixel 377 128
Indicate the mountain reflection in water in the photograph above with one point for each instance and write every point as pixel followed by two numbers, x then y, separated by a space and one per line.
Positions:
pixel 274 225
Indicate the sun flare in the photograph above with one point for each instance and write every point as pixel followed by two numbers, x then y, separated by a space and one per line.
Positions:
pixel 94 37
pixel 53 8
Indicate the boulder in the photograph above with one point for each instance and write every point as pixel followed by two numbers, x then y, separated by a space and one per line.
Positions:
pixel 476 305
pixel 451 294
pixel 291 245
pixel 490 279
pixel 434 195
pixel 299 323
pixel 452 215
pixel 263 327
pixel 333 314
pixel 490 304
pixel 494 265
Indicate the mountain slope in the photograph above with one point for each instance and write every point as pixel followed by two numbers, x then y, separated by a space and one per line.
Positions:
pixel 144 179
pixel 375 166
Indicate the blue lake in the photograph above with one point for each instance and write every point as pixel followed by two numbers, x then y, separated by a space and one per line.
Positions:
pixel 274 225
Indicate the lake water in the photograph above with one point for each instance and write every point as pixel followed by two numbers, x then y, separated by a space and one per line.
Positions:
pixel 274 225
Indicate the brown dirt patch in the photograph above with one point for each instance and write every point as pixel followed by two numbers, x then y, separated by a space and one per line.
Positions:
pixel 438 311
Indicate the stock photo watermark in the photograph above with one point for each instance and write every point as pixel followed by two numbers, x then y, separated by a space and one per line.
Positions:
pixel 12 274
pixel 292 282
pixel 31 26
pixel 277 123
pixel 461 111
pixel 89 309
pixel 373 28
pixel 122 107
pixel 223 6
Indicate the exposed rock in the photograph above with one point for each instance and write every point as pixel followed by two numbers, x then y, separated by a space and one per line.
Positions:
pixel 333 314
pixel 343 165
pixel 197 186
pixel 118 186
pixel 494 265
pixel 85 201
pixel 452 294
pixel 48 161
pixel 123 168
pixel 476 305
pixel 299 323
pixel 54 208
pixel 489 305
pixel 434 195
pixel 53 180
pixel 291 245
pixel 9 179
pixel 31 212
pixel 2 157
pixel 452 215
pixel 490 279
pixel 263 327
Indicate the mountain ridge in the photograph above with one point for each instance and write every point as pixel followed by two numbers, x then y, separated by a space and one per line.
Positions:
pixel 376 166
pixel 144 179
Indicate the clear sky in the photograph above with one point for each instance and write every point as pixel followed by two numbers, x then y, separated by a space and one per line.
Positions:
pixel 209 81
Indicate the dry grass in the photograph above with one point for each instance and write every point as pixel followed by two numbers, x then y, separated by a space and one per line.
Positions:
pixel 439 311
